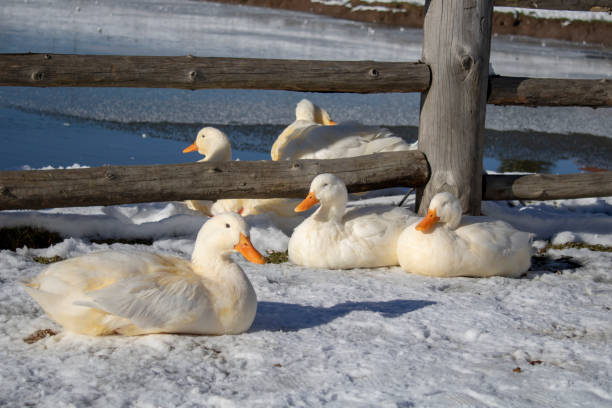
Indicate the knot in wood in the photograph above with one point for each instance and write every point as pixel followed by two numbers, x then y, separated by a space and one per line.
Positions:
pixel 38 75
pixel 47 57
pixel 193 75
pixel 214 170
pixel 466 62
pixel 5 191
pixel 295 166
pixel 110 175
pixel 373 73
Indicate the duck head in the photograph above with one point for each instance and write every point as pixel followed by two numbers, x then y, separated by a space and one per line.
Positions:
pixel 213 143
pixel 308 111
pixel 330 191
pixel 220 236
pixel 443 208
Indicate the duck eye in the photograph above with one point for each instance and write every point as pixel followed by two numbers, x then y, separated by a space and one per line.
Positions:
pixel 227 225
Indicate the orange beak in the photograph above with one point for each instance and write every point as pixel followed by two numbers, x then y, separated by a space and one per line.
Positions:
pixel 428 222
pixel 332 123
pixel 191 148
pixel 310 200
pixel 247 250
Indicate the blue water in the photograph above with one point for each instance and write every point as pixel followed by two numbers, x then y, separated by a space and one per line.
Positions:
pixel 34 140
pixel 41 126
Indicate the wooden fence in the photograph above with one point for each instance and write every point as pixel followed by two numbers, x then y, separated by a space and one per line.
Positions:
pixel 453 79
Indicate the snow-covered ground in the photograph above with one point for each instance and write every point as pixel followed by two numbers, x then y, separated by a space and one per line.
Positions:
pixel 392 6
pixel 371 337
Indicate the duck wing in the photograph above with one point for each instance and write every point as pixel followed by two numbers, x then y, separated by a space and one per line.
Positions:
pixel 157 300
pixel 284 145
pixel 348 139
pixel 375 222
pixel 494 235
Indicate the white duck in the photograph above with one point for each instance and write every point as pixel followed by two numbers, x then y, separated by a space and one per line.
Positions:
pixel 336 238
pixel 309 138
pixel 133 293
pixel 307 115
pixel 445 245
pixel 216 146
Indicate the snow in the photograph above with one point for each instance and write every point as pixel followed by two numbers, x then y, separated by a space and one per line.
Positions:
pixel 362 337
pixel 367 337
pixel 533 12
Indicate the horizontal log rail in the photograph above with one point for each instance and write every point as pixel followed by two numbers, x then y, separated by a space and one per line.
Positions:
pixel 109 185
pixel 190 72
pixel 577 5
pixel 547 186
pixel 46 70
pixel 549 92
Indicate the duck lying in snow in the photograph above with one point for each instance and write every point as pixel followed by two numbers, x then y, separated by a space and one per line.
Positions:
pixel 308 137
pixel 132 292
pixel 338 238
pixel 216 146
pixel 444 244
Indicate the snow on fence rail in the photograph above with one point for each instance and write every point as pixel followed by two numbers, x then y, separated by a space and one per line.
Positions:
pixel 455 86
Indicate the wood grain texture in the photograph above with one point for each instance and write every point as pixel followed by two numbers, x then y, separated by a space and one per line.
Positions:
pixel 110 185
pixel 456 46
pixel 47 70
pixel 579 5
pixel 189 72
pixel 547 186
pixel 550 92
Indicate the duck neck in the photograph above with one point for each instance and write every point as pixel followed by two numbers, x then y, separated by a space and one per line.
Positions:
pixel 219 154
pixel 207 257
pixel 331 211
pixel 232 294
pixel 280 141
pixel 209 263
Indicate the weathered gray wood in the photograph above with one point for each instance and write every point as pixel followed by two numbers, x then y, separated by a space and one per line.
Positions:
pixel 583 5
pixel 456 46
pixel 204 73
pixel 550 92
pixel 109 185
pixel 109 70
pixel 547 186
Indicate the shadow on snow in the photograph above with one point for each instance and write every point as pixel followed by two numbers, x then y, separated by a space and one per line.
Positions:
pixel 276 316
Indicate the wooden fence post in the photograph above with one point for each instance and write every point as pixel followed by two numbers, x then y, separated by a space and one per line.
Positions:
pixel 456 46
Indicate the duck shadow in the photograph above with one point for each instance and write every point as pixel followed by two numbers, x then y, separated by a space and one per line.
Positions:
pixel 277 316
pixel 543 264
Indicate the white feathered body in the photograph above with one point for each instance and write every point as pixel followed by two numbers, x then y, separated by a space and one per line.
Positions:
pixel 253 206
pixel 479 247
pixel 365 237
pixel 307 140
pixel 132 293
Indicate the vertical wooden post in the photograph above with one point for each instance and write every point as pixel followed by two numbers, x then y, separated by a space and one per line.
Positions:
pixel 456 46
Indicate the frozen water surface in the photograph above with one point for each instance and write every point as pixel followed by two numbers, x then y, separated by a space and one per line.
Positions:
pixel 208 29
